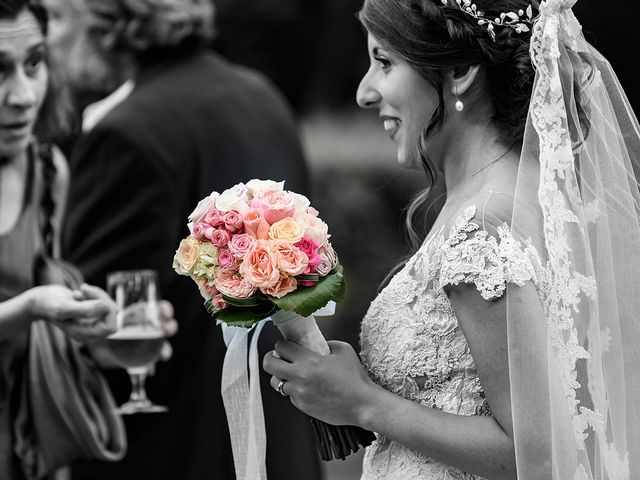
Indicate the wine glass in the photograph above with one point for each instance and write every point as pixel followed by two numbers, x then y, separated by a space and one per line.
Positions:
pixel 138 340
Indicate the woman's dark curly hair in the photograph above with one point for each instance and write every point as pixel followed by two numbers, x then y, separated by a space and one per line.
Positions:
pixel 435 38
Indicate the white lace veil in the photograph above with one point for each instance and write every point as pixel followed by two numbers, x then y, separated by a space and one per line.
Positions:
pixel 574 357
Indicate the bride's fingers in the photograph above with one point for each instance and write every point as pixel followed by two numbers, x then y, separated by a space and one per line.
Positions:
pixel 275 382
pixel 278 367
pixel 291 351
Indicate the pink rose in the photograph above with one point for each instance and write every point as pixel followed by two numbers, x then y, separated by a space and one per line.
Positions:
pixel 200 230
pixel 220 237
pixel 218 302
pixel 226 258
pixel 203 207
pixel 255 224
pixel 214 218
pixel 324 266
pixel 310 248
pixel 240 244
pixel 231 284
pixel 207 287
pixel 260 266
pixel 291 259
pixel 233 221
pixel 276 204
pixel 329 259
pixel 284 285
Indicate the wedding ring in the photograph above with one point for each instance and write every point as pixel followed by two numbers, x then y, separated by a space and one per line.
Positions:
pixel 279 388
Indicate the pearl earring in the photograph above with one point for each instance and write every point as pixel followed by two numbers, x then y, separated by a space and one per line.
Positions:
pixel 459 105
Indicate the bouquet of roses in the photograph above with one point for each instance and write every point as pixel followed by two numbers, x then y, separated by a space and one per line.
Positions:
pixel 258 251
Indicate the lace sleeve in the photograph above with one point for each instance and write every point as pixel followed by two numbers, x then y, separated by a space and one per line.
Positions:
pixel 471 255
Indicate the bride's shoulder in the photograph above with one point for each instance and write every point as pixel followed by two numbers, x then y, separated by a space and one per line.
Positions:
pixel 481 247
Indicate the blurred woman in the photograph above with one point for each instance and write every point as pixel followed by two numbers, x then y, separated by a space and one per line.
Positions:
pixel 33 182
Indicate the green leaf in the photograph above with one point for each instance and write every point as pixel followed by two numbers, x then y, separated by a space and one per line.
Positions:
pixel 245 316
pixel 244 302
pixel 305 301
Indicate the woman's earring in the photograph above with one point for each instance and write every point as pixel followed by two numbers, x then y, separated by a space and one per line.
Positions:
pixel 459 104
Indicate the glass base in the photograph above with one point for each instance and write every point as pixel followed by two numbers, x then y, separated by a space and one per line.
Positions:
pixel 140 406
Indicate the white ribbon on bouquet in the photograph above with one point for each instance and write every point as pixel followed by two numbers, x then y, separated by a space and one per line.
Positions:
pixel 240 386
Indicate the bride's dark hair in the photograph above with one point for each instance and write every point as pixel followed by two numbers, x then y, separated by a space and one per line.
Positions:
pixel 435 38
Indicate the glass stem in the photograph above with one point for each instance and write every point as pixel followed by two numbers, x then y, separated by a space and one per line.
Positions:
pixel 138 392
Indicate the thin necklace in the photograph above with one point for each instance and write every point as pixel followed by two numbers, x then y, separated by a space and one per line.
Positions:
pixel 494 161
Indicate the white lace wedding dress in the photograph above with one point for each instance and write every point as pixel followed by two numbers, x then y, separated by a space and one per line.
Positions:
pixel 413 346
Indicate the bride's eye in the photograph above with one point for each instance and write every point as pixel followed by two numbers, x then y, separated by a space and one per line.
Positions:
pixel 384 62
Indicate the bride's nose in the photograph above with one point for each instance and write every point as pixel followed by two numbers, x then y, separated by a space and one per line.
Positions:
pixel 367 96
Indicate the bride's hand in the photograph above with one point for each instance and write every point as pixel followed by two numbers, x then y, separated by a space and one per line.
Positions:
pixel 333 388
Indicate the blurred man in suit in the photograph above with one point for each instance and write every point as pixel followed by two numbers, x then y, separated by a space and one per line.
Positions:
pixel 183 123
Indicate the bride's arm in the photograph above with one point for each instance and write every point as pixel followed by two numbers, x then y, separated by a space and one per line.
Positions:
pixel 337 389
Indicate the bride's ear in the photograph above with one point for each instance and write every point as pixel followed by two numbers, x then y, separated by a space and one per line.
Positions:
pixel 462 78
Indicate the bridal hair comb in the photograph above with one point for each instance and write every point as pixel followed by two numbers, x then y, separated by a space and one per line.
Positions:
pixel 520 21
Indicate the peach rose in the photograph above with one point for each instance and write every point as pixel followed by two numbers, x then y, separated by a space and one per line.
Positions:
pixel 275 204
pixel 260 266
pixel 186 255
pixel 231 284
pixel 255 224
pixel 284 285
pixel 290 259
pixel 286 230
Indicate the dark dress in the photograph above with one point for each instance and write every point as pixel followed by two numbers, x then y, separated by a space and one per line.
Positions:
pixel 191 125
pixel 18 250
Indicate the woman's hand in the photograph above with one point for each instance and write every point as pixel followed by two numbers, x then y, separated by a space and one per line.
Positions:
pixel 333 388
pixel 85 314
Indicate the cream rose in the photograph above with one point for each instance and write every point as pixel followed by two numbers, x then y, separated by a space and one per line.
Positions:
pixel 286 230
pixel 203 207
pixel 186 256
pixel 234 198
pixel 315 229
pixel 254 186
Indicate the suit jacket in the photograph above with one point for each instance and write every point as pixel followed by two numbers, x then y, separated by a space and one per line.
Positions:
pixel 191 125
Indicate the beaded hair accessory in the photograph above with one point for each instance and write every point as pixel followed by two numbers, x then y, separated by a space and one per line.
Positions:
pixel 520 21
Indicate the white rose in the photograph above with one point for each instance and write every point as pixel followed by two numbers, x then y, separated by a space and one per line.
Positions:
pixel 254 186
pixel 234 198
pixel 203 207
pixel 301 202
pixel 315 229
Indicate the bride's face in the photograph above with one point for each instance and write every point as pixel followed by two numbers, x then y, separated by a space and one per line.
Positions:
pixel 405 101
